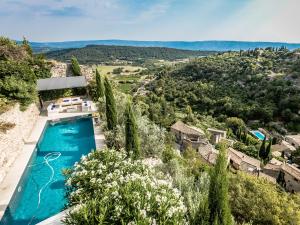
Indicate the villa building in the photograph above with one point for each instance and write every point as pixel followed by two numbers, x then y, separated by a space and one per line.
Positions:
pixel 188 135
pixel 216 135
pixel 241 161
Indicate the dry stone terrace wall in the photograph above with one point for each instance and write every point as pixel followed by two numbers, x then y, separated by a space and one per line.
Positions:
pixel 60 69
pixel 12 141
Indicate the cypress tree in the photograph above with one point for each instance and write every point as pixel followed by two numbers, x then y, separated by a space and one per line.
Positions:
pixel 132 143
pixel 247 140
pixel 269 150
pixel 75 67
pixel 111 112
pixel 99 85
pixel 189 114
pixel 244 137
pixel 262 150
pixel 218 203
pixel 280 179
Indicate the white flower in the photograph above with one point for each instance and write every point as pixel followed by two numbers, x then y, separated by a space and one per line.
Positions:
pixel 143 213
pixel 69 182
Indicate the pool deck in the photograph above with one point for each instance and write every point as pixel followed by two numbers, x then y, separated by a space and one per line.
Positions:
pixel 11 180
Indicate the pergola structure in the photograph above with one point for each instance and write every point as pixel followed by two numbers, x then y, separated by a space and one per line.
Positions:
pixel 56 83
pixel 59 83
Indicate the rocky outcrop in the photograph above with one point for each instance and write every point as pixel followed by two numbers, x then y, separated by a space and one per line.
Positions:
pixel 13 140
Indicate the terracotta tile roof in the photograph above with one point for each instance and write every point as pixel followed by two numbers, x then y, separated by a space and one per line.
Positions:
pixel 186 129
pixel 292 170
pixel 208 153
pixel 239 157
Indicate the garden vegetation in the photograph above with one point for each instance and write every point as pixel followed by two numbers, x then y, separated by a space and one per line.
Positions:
pixel 162 186
pixel 19 71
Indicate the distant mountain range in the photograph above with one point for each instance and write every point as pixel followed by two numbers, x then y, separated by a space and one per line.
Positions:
pixel 186 45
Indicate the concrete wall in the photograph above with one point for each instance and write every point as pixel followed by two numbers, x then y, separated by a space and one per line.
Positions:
pixel 12 141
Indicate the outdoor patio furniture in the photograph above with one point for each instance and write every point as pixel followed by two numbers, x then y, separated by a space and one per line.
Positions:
pixel 76 100
pixel 53 109
pixel 72 108
pixel 86 106
pixel 65 101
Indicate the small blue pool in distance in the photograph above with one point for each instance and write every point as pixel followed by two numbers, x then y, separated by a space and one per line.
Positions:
pixel 62 144
pixel 258 134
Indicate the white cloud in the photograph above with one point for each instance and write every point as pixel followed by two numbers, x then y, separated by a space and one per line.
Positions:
pixel 263 20
pixel 57 20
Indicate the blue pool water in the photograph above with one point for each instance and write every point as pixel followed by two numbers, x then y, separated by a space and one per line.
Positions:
pixel 60 146
pixel 258 134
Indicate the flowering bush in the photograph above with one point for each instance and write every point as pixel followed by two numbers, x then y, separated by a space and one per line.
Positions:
pixel 106 187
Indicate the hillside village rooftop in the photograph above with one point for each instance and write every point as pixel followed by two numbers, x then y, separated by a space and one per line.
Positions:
pixel 186 129
pixel 293 140
pixel 242 161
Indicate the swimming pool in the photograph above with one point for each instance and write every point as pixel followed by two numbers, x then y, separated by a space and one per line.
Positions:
pixel 258 134
pixel 41 193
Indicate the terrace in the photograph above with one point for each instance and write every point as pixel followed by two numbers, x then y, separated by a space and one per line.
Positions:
pixel 48 87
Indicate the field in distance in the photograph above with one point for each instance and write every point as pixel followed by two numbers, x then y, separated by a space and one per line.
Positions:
pixel 120 70
pixel 126 76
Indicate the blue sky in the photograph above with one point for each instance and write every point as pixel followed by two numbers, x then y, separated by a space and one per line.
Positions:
pixel 189 20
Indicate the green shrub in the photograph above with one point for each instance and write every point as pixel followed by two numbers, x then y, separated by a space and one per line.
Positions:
pixel 117 70
pixel 4 126
pixel 257 200
pixel 17 89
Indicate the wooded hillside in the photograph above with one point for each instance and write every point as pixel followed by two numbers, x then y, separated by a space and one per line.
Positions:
pixel 94 54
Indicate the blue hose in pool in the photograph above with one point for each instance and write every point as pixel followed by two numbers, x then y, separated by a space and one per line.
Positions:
pixel 47 159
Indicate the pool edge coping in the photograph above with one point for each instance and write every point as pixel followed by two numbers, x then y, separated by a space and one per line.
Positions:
pixel 11 180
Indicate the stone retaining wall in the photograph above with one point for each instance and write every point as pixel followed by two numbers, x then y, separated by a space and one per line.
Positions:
pixel 60 69
pixel 12 141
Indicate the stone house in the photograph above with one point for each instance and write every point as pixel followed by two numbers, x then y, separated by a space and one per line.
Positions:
pixel 216 135
pixel 188 135
pixel 291 177
pixel 208 154
pixel 243 162
pixel 273 168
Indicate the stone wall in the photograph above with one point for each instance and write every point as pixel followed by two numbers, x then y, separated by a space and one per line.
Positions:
pixel 60 69
pixel 12 141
